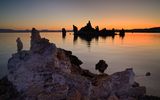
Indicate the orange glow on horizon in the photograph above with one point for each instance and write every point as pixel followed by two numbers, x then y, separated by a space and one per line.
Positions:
pixel 117 24
pixel 100 27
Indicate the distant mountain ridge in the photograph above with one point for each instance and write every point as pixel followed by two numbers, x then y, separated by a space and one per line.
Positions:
pixel 153 29
pixel 13 30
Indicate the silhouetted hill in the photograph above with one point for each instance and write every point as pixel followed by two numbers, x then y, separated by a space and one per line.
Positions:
pixel 153 29
pixel 15 31
pixel 12 30
pixel 149 30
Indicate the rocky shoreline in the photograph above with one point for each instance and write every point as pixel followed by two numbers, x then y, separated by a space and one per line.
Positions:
pixel 46 72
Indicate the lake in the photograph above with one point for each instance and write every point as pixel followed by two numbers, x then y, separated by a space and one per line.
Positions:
pixel 141 51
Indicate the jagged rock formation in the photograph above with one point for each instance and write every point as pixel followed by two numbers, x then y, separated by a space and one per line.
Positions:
pixel 97 28
pixel 88 29
pixel 75 29
pixel 88 32
pixel 35 37
pixel 46 72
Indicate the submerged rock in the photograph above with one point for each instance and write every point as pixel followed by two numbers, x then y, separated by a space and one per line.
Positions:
pixel 49 73
pixel 148 74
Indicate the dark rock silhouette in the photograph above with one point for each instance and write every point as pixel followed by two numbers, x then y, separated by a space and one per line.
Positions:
pixel 105 32
pixel 97 28
pixel 149 97
pixel 35 37
pixel 135 84
pixel 19 44
pixel 8 90
pixel 89 24
pixel 75 29
pixel 146 30
pixel 113 30
pixel 38 44
pixel 88 33
pixel 74 60
pixel 122 33
pixel 101 66
pixel 63 32
pixel 148 74
pixel 87 30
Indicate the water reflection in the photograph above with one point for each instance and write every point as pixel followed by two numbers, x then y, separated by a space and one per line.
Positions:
pixel 89 38
pixel 63 35
pixel 75 38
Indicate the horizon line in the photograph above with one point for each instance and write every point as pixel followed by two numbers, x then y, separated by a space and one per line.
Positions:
pixel 44 29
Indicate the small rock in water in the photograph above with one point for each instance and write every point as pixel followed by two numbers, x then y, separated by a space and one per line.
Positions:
pixel 148 74
pixel 101 66
pixel 63 32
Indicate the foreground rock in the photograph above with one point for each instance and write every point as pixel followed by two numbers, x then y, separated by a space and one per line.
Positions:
pixel 46 72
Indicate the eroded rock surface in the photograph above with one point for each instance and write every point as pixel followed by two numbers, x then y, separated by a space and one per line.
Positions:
pixel 46 72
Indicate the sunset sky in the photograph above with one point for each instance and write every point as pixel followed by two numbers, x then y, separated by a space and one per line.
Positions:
pixel 55 14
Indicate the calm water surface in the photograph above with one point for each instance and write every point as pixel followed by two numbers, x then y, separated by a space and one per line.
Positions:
pixel 141 51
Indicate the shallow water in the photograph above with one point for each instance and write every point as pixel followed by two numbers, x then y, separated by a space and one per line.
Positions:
pixel 141 51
